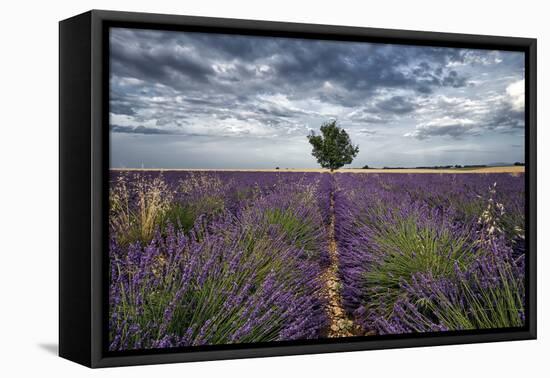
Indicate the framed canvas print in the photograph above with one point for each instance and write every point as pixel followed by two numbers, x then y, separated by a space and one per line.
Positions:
pixel 234 188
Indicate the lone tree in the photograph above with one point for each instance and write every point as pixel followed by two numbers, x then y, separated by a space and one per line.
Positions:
pixel 333 148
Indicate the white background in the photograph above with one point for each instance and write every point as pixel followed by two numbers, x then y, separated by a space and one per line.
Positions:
pixel 29 186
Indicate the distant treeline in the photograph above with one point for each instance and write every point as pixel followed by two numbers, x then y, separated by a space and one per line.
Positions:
pixel 456 166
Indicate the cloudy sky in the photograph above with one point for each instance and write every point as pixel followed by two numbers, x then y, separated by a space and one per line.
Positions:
pixel 197 100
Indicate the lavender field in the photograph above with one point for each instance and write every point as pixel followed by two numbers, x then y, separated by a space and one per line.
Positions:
pixel 203 258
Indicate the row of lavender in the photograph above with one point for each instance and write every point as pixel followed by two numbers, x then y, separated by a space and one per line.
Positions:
pixel 216 258
pixel 431 252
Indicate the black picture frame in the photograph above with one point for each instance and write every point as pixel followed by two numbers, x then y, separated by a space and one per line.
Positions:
pixel 83 181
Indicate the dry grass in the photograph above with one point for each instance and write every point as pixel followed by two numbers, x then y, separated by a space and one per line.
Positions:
pixel 139 223
pixel 508 169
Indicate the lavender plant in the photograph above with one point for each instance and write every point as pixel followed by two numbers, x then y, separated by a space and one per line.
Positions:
pixel 418 260
pixel 247 270
pixel 201 258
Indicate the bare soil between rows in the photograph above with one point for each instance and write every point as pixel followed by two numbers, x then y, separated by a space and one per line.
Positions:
pixel 340 324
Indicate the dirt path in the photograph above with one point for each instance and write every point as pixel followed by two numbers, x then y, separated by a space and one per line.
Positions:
pixel 340 325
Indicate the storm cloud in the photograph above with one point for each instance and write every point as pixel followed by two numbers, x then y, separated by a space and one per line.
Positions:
pixel 212 91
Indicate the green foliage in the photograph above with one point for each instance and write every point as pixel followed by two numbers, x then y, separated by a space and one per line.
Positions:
pixel 184 215
pixel 498 305
pixel 406 249
pixel 298 232
pixel 333 149
pixel 181 216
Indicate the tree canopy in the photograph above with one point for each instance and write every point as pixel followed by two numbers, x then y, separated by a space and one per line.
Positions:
pixel 333 148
